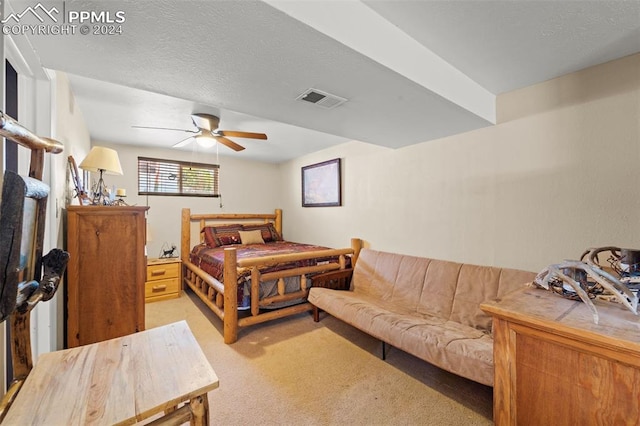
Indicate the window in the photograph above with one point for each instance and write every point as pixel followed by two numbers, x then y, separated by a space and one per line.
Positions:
pixel 167 177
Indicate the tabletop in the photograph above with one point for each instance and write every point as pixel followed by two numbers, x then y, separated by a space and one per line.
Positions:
pixel 118 381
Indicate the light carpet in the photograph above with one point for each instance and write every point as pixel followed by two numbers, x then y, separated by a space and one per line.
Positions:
pixel 294 371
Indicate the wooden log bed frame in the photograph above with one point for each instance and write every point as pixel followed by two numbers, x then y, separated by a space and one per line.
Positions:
pixel 222 298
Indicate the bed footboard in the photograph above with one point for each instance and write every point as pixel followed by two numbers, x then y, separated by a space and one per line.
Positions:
pixel 222 298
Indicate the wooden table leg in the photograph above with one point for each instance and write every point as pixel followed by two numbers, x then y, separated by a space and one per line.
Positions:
pixel 199 410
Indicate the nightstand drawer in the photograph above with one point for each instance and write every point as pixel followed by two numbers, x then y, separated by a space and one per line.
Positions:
pixel 163 271
pixel 157 288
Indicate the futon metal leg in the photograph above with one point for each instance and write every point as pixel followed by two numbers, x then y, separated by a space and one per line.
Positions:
pixel 316 314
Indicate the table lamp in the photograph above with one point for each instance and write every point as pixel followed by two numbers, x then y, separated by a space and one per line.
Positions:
pixel 103 160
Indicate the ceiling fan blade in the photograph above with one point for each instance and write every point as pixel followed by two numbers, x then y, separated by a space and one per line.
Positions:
pixel 205 121
pixel 237 134
pixel 229 143
pixel 183 142
pixel 164 128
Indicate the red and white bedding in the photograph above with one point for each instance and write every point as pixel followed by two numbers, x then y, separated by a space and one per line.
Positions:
pixel 211 261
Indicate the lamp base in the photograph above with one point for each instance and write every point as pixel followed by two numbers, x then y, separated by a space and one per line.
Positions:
pixel 101 196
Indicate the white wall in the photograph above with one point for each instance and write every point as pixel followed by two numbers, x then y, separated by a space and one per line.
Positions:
pixel 71 130
pixel 68 127
pixel 246 187
pixel 558 174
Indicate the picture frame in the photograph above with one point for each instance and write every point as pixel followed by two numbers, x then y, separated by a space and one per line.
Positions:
pixel 322 184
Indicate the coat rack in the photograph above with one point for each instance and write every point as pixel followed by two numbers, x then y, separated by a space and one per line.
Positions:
pixel 26 276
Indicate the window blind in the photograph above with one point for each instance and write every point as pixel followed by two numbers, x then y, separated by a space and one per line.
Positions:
pixel 169 177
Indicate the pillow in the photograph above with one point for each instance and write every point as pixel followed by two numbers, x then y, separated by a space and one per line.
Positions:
pixel 209 238
pixel 251 237
pixel 222 235
pixel 267 230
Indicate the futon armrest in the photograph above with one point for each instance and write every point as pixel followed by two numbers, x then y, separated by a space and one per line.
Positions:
pixel 336 280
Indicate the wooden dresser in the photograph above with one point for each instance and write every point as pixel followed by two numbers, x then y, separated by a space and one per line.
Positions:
pixel 106 272
pixel 554 366
pixel 163 279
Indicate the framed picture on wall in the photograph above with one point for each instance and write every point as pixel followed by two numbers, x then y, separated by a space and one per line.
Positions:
pixel 321 184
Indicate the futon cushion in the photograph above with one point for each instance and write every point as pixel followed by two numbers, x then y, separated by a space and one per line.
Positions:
pixel 455 347
pixel 427 307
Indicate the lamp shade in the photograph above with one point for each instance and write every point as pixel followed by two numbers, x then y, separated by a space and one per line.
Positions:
pixel 102 159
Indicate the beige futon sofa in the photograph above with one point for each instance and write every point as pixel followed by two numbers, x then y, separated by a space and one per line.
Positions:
pixel 428 308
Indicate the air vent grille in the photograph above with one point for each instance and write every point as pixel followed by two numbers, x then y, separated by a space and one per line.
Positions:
pixel 321 99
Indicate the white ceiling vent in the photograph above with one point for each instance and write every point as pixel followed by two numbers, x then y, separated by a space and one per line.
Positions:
pixel 320 98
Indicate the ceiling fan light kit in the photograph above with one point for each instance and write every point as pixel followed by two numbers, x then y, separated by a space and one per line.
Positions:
pixel 205 140
pixel 207 133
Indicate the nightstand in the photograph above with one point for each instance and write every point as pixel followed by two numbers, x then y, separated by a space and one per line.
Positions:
pixel 164 277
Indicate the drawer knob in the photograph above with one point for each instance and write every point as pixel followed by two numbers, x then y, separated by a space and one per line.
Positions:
pixel 161 287
pixel 156 272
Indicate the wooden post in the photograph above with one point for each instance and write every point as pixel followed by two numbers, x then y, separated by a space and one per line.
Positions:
pixel 200 410
pixel 255 291
pixel 36 165
pixel 230 318
pixel 185 243
pixel 278 221
pixel 356 245
pixel 21 353
pixel 186 235
pixel 504 351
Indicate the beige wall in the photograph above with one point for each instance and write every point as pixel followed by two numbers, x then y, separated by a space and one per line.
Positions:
pixel 246 187
pixel 68 127
pixel 558 174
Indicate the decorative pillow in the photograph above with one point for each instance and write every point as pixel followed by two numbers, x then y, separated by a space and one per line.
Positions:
pixel 268 231
pixel 209 238
pixel 222 235
pixel 251 237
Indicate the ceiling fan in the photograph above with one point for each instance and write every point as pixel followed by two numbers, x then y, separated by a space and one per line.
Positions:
pixel 207 133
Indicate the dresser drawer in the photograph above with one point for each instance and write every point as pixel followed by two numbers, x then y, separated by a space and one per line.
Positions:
pixel 163 271
pixel 168 287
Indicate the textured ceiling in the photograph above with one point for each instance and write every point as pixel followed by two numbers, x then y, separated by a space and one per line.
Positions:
pixel 412 71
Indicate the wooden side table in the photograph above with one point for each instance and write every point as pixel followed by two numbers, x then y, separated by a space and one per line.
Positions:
pixel 119 381
pixel 163 279
pixel 554 366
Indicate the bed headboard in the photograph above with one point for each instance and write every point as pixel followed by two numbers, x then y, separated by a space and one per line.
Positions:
pixel 189 223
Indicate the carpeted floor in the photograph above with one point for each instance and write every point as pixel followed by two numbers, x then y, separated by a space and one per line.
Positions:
pixel 296 372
